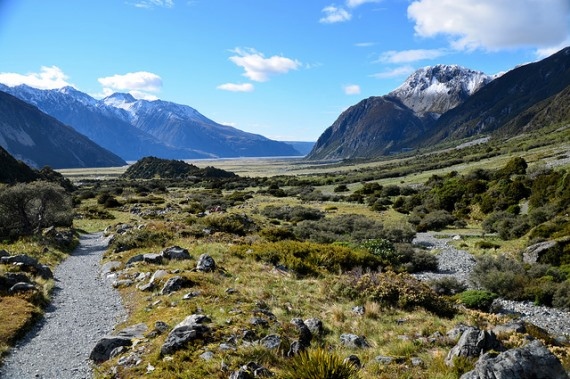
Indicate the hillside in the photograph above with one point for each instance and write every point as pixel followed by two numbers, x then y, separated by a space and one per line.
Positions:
pixel 157 168
pixel 13 171
pixel 40 140
pixel 448 104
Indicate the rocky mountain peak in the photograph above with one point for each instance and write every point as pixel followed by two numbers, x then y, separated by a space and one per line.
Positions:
pixel 437 89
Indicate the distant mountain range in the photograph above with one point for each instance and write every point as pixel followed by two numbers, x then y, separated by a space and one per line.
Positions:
pixel 134 128
pixel 40 140
pixel 448 103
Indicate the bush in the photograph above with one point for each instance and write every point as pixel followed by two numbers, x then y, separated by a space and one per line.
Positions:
pixel 436 220
pixel 561 298
pixel 447 285
pixel 292 214
pixel 399 290
pixel 477 299
pixel 319 364
pixel 341 188
pixel 501 275
pixel 26 208
pixel 230 223
pixel 138 238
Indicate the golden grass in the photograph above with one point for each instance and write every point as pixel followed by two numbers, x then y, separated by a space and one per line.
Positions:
pixel 17 314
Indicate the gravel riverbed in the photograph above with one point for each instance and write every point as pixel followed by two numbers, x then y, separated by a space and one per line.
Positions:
pixel 84 308
pixel 459 264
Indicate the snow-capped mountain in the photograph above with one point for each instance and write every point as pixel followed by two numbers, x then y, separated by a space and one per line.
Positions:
pixel 437 89
pixel 134 128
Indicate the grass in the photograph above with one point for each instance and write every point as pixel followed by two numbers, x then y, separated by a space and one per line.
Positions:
pixel 17 315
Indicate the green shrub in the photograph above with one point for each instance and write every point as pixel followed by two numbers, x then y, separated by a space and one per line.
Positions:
pixel 436 220
pixel 230 223
pixel 319 364
pixel 341 188
pixel 274 234
pixel 399 290
pixel 137 238
pixel 447 285
pixel 292 214
pixel 477 299
pixel 501 275
pixel 561 298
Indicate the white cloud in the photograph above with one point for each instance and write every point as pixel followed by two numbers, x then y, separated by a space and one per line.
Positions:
pixel 148 4
pixel 141 84
pixel 394 73
pixel 258 68
pixel 365 44
pixel 407 56
pixel 548 51
pixel 333 14
pixel 352 89
pixel 493 24
pixel 48 78
pixel 234 87
pixel 357 3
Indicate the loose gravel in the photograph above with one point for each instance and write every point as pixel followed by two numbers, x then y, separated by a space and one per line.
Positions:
pixel 84 308
pixel 459 264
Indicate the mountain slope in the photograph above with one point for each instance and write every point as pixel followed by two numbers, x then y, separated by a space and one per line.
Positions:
pixel 493 107
pixel 375 126
pixel 387 124
pixel 40 140
pixel 100 123
pixel 183 126
pixel 12 170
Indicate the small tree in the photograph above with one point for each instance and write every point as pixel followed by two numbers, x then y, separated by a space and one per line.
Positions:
pixel 26 208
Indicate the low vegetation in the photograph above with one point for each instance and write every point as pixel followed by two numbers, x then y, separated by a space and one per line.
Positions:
pixel 335 245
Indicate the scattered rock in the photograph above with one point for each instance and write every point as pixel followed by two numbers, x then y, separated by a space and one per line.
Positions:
pixel 359 310
pixel 104 348
pixel 353 360
pixel 176 283
pixel 22 287
pixel 152 258
pixel 384 360
pixel 190 329
pixel 533 253
pixel 28 264
pixel 530 361
pixel 176 253
pixel 417 361
pixel 109 267
pixel 473 343
pixel 123 283
pixel 135 259
pixel 191 295
pixel 271 341
pixel 207 356
pixel 511 327
pixel 353 341
pixel 258 321
pixel 134 331
pixel 206 263
pixel 315 326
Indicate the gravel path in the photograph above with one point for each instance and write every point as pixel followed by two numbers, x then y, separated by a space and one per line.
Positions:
pixel 84 309
pixel 459 263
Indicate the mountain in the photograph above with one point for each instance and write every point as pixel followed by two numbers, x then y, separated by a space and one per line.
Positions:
pixel 183 126
pixel 450 103
pixel 392 123
pixel 40 140
pixel 12 170
pixel 303 147
pixel 495 106
pixel 134 128
pixel 439 88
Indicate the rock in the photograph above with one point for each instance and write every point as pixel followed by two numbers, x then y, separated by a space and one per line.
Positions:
pixel 22 287
pixel 530 361
pixel 455 333
pixel 383 360
pixel 190 329
pixel 191 295
pixel 152 258
pixel 123 283
pixel 271 341
pixel 157 275
pixel 176 253
pixel 146 287
pixel 44 271
pixel 473 343
pixel 21 259
pixel 10 278
pixel 417 361
pixel 134 331
pixel 4 253
pixel 176 283
pixel 207 356
pixel 206 263
pixel 315 326
pixel 305 335
pixel 105 347
pixel 359 310
pixel 258 321
pixel 135 259
pixel 241 374
pixel 353 341
pixel 353 360
pixel 109 267
pixel 533 253
pixel 511 327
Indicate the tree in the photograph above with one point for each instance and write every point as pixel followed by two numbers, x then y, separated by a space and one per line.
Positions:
pixel 26 208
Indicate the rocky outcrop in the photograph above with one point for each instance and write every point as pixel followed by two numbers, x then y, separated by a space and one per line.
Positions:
pixel 28 264
pixel 206 263
pixel 531 361
pixel 107 347
pixel 473 343
pixel 190 329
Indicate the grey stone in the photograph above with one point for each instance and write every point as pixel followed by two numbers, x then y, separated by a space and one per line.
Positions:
pixel 473 343
pixel 190 329
pixel 359 310
pixel 207 356
pixel 157 275
pixel 135 259
pixel 105 346
pixel 206 263
pixel 191 295
pixel 384 360
pixel 258 321
pixel 22 287
pixel 417 361
pixel 176 253
pixel 123 283
pixel 152 258
pixel 176 283
pixel 531 361
pixel 354 360
pixel 272 341
pixel 353 341
pixel 533 253
pixel 315 326
pixel 4 253
pixel 109 267
pixel 134 331
pixel 511 327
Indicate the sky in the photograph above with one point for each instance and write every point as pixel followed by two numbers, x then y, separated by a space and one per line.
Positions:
pixel 283 69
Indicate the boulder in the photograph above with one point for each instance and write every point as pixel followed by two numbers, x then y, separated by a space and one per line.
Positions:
pixel 28 264
pixel 109 267
pixel 134 331
pixel 176 253
pixel 103 350
pixel 353 360
pixel 473 343
pixel 190 329
pixel 533 253
pixel 206 263
pixel 353 341
pixel 531 361
pixel 135 258
pixel 176 283
pixel 22 287
pixel 8 279
pixel 315 326
pixel 152 258
pixel 272 341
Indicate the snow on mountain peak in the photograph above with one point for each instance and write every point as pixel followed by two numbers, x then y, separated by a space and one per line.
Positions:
pixel 436 89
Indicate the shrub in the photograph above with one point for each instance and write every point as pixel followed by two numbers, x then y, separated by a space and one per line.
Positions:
pixel 561 298
pixel 447 285
pixel 501 275
pixel 108 201
pixel 477 299
pixel 230 223
pixel 435 220
pixel 293 214
pixel 399 290
pixel 319 364
pixel 274 234
pixel 341 188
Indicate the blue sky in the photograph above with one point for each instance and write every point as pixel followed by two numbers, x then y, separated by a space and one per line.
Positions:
pixel 283 69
